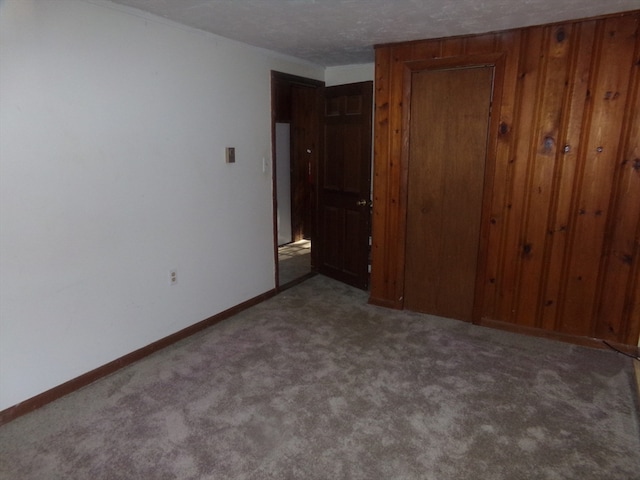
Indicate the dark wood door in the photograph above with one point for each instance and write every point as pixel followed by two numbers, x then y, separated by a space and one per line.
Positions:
pixel 304 154
pixel 448 140
pixel 344 183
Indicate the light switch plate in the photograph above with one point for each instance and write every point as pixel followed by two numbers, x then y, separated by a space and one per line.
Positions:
pixel 230 154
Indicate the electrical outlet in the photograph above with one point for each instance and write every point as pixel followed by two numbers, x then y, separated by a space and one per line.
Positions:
pixel 173 277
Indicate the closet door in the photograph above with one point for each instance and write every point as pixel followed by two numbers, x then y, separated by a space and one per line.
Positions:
pixel 450 111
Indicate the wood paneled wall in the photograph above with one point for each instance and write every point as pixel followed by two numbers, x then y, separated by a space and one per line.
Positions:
pixel 560 245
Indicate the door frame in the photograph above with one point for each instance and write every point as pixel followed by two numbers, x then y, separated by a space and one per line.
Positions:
pixel 392 167
pixel 278 104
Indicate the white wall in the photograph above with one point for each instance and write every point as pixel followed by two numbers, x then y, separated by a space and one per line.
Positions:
pixel 349 74
pixel 113 125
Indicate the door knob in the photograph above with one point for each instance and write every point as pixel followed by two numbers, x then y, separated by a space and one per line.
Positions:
pixel 361 203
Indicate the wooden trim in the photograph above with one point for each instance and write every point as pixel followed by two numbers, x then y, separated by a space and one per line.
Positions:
pixel 457 62
pixel 560 336
pixel 295 79
pixel 379 280
pixel 281 80
pixel 637 369
pixel 85 379
pixel 496 60
pixel 631 143
pixel 275 79
pixel 465 37
pixel 384 302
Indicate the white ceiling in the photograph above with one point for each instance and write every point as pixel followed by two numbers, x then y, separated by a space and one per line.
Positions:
pixel 343 32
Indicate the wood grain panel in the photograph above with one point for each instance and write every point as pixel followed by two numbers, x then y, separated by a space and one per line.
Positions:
pixel 578 80
pixel 481 44
pixel 381 292
pixel 352 171
pixel 608 94
pixel 563 213
pixel 515 246
pixel 622 260
pixel 353 227
pixel 332 173
pixel 396 233
pixel 542 164
pixel 452 47
pixel 510 43
pixel 423 50
pixel 332 240
pixel 304 158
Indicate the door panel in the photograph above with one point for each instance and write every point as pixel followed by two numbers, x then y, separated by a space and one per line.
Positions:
pixel 448 139
pixel 304 146
pixel 345 184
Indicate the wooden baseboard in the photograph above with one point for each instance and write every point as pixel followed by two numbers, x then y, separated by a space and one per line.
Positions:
pixel 383 302
pixel 563 337
pixel 83 380
pixel 637 367
pixel 297 281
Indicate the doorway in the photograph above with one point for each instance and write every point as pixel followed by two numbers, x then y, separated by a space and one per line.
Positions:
pixel 344 184
pixel 450 118
pixel 322 179
pixel 296 147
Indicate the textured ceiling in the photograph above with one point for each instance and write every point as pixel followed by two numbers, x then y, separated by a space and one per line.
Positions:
pixel 343 32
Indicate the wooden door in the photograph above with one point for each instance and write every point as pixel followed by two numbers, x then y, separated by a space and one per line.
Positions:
pixel 304 154
pixel 344 183
pixel 450 111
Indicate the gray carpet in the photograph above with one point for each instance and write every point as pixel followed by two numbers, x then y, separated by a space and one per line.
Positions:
pixel 316 384
pixel 292 268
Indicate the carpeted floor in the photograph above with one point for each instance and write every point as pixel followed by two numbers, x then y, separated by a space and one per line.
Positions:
pixel 316 384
